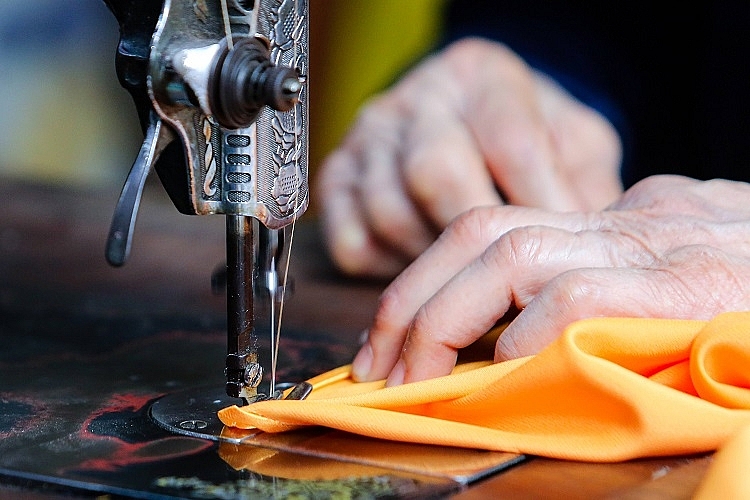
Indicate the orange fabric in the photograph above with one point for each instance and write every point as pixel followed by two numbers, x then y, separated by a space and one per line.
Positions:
pixel 609 389
pixel 727 476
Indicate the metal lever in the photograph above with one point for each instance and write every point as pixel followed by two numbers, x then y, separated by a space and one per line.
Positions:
pixel 123 221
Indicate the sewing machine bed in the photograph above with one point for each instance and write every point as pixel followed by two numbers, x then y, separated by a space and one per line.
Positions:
pixel 76 415
pixel 87 349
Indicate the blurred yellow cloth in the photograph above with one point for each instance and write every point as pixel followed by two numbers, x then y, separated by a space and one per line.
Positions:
pixel 607 390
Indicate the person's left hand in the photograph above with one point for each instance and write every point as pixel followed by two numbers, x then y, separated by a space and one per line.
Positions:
pixel 471 125
pixel 671 247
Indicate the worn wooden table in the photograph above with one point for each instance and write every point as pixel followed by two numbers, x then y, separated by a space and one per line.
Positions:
pixel 73 329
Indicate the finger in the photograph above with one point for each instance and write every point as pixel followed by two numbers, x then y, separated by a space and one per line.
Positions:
pixel 586 146
pixel 691 283
pixel 402 298
pixel 512 271
pixel 443 170
pixel 388 210
pixel 462 242
pixel 352 247
pixel 503 114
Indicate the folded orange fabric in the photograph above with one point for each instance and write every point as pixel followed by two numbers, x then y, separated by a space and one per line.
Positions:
pixel 727 476
pixel 609 389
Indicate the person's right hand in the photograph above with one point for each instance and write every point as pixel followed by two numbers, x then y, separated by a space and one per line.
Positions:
pixel 470 126
pixel 671 247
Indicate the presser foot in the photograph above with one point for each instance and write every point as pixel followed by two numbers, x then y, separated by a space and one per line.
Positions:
pixel 193 412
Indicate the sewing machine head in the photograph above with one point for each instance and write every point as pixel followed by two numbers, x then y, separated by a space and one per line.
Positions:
pixel 220 88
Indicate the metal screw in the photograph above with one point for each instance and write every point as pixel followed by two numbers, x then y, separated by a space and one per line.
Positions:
pixel 193 424
pixel 253 374
pixel 291 87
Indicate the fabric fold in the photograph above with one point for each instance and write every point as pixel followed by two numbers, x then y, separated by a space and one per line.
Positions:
pixel 609 389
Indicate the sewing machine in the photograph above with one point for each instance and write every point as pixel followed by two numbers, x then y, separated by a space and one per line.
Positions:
pixel 221 91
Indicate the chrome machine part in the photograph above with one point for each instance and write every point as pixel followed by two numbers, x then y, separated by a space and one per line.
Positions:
pixel 123 222
pixel 194 412
pixel 220 87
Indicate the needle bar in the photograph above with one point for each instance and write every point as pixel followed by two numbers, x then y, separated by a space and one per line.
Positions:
pixel 242 352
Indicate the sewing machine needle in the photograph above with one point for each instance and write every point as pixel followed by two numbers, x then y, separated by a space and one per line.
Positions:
pixel 273 281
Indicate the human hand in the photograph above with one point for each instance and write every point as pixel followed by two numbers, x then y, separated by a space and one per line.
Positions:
pixel 671 247
pixel 471 126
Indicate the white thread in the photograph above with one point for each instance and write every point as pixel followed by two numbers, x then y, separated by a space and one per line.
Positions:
pixel 227 26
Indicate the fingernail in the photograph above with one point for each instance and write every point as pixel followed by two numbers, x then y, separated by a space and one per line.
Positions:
pixel 362 363
pixel 349 243
pixel 397 374
pixel 352 236
pixel 364 336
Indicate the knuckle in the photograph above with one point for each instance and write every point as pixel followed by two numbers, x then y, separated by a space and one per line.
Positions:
pixel 427 328
pixel 660 193
pixel 520 250
pixel 389 301
pixel 389 307
pixel 482 224
pixel 474 51
pixel 705 278
pixel 334 173
pixel 430 174
pixel 376 117
pixel 464 47
pixel 420 326
pixel 592 141
pixel 508 347
pixel 387 217
pixel 520 150
pixel 520 246
pixel 574 291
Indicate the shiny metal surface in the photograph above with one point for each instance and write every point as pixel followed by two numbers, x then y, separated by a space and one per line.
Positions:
pixel 221 88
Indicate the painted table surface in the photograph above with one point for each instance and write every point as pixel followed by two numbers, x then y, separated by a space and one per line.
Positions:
pixel 86 348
